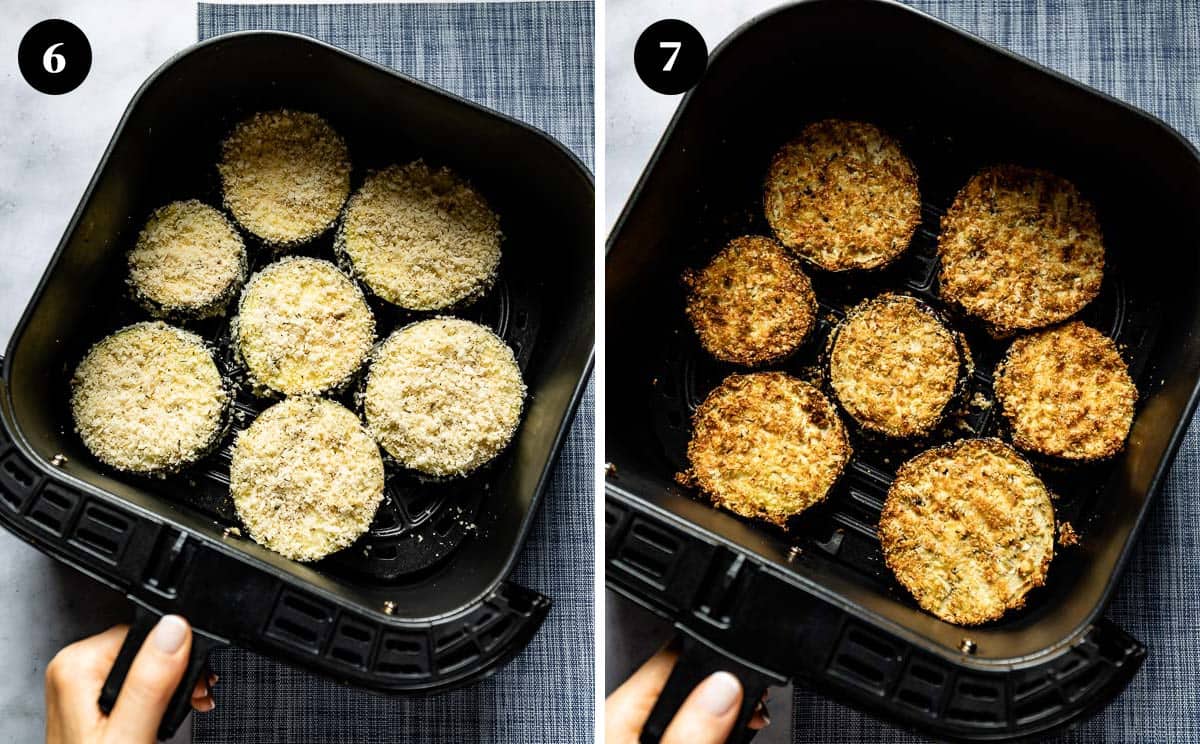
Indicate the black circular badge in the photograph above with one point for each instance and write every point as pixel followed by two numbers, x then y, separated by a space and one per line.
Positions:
pixel 670 56
pixel 54 56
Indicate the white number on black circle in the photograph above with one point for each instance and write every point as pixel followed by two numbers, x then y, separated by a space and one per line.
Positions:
pixel 670 45
pixel 53 62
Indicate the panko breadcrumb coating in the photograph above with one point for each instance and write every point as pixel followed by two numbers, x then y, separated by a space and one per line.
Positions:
pixel 303 327
pixel 149 399
pixel 894 366
pixel 752 303
pixel 843 195
pixel 1066 392
pixel 284 175
pixel 189 262
pixel 443 396
pixel 1020 248
pixel 306 478
pixel 968 528
pixel 421 238
pixel 766 446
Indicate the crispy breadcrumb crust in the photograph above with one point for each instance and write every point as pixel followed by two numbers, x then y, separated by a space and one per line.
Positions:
pixel 421 238
pixel 843 195
pixel 285 176
pixel 443 396
pixel 968 528
pixel 1066 392
pixel 766 445
pixel 1020 248
pixel 149 399
pixel 303 327
pixel 306 478
pixel 894 366
pixel 752 304
pixel 189 262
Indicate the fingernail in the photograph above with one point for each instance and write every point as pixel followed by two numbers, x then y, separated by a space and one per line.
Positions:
pixel 169 633
pixel 766 715
pixel 207 705
pixel 719 693
pixel 213 679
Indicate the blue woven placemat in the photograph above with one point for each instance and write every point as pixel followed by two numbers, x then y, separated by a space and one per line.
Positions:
pixel 1146 53
pixel 533 61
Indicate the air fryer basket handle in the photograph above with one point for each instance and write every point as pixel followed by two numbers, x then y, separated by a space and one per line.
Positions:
pixel 697 660
pixel 181 700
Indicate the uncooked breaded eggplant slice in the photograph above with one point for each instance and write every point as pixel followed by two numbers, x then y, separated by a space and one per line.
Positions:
pixel 303 327
pixel 306 478
pixel 284 176
pixel 443 396
pixel 189 262
pixel 421 238
pixel 149 399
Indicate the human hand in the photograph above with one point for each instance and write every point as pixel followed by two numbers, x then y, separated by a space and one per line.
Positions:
pixel 707 715
pixel 76 675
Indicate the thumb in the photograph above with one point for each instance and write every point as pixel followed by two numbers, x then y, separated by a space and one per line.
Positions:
pixel 708 714
pixel 155 673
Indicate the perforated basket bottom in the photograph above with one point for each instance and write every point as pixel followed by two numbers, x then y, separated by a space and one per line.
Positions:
pixel 843 527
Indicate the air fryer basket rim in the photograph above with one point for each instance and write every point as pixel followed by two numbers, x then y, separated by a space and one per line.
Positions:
pixel 1178 431
pixel 19 437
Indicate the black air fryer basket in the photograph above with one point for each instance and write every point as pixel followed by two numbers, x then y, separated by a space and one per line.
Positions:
pixel 422 603
pixel 816 604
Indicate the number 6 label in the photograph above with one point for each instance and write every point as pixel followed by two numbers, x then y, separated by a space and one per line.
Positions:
pixel 670 56
pixel 54 57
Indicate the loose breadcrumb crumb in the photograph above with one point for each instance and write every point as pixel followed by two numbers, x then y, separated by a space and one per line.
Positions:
pixel 303 327
pixel 1067 537
pixel 443 396
pixel 188 261
pixel 285 175
pixel 149 399
pixel 421 238
pixel 306 478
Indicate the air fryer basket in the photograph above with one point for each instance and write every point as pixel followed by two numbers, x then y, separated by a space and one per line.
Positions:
pixel 421 603
pixel 817 603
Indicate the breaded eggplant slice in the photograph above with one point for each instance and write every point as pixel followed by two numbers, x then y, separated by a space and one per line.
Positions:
pixel 443 396
pixel 843 195
pixel 1066 392
pixel 1020 248
pixel 968 529
pixel 306 478
pixel 752 304
pixel 149 399
pixel 767 446
pixel 188 263
pixel 420 238
pixel 895 366
pixel 303 328
pixel 284 176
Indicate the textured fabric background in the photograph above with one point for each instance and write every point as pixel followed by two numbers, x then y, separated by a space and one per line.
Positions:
pixel 1146 53
pixel 533 61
